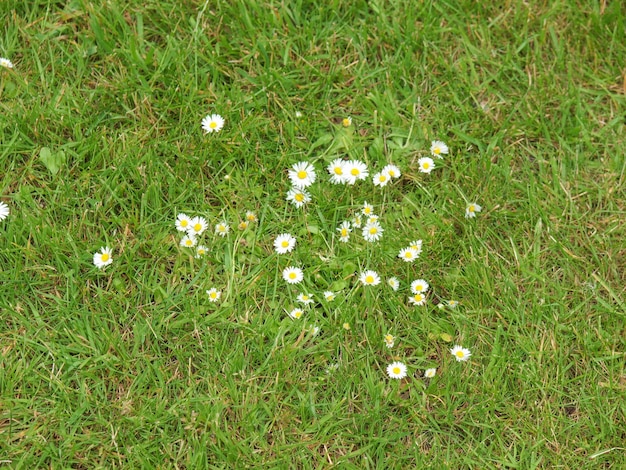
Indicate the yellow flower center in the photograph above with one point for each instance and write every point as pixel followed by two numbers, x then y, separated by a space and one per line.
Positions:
pixel 299 197
pixel 373 231
pixel 184 223
pixel 302 174
pixel 344 232
pixel 338 170
pixel 285 244
pixel 251 217
pixel 419 287
pixel 292 275
pixel 197 227
pixel 346 326
pixel 388 338
pixel 105 257
pixel 213 295
pixel 396 370
pixel 460 354
pixel 189 242
pixel 346 122
pixel 437 151
pixel 305 298
pixel 367 211
pixel 382 178
pixel 418 297
pixel 408 255
pixel 425 165
pixel 392 173
pixel 471 208
pixel 369 279
pixel 201 252
pixel 213 125
pixel 298 314
pixel 355 172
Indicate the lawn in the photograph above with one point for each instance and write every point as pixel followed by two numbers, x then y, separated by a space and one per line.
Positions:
pixel 128 362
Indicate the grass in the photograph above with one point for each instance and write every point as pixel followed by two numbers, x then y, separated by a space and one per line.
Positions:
pixel 133 367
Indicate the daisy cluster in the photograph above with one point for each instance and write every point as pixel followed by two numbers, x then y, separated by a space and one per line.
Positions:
pixel 364 222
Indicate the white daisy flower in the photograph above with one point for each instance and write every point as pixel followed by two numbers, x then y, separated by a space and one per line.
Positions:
pixel 346 122
pixel 355 170
pixel 302 175
pixel 284 243
pixel 438 149
pixel 243 225
pixel 390 340
pixel 213 123
pixel 183 222
pixel 298 196
pixel 357 221
pixel 314 330
pixel 471 209
pixel 197 226
pixel 408 254
pixel 381 179
pixel 369 278
pixel 329 296
pixel 293 275
pixel 416 245
pixel 430 373
pixel 103 258
pixel 420 286
pixel 4 211
pixel 188 241
pixel 337 170
pixel 222 229
pixel 393 283
pixel 306 299
pixel 460 353
pixel 368 209
pixel 396 370
pixel 372 232
pixel 296 313
pixel 6 63
pixel 392 171
pixel 201 251
pixel 344 231
pixel 426 164
pixel 453 303
pixel 251 216
pixel 214 294
pixel 346 326
pixel 417 299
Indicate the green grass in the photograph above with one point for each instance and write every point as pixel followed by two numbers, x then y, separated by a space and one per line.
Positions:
pixel 133 367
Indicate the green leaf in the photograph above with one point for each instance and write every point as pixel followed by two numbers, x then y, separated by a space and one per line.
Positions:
pixel 348 269
pixel 53 161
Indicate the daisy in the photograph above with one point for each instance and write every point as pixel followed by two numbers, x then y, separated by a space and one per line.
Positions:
pixel 430 373
pixel 298 114
pixel 368 209
pixel 355 170
pixel 284 243
pixel 306 299
pixel 452 303
pixel 201 250
pixel 337 171
pixel 471 209
pixel 372 232
pixel 392 171
pixel 396 370
pixel 408 254
pixel 346 326
pixel 372 219
pixel 344 231
pixel 183 222
pixel 103 258
pixel 426 164
pixel 212 123
pixel 369 278
pixel 296 313
pixel 314 330
pixel 416 245
pixel 298 196
pixel 302 175
pixel 197 226
pixel 214 294
pixel 243 225
pixel 222 229
pixel 329 296
pixel 346 122
pixel 460 353
pixel 357 221
pixel 293 275
pixel 6 63
pixel 438 148
pixel 419 286
pixel 381 179
pixel 251 216
pixel 188 241
pixel 389 340
pixel 417 299
pixel 4 211
pixel 393 283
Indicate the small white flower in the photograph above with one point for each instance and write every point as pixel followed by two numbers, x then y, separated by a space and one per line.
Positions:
pixel 214 294
pixel 306 299
pixel 471 209
pixel 393 283
pixel 392 170
pixel 381 179
pixel 430 373
pixel 4 211
pixel 296 313
pixel 390 340
pixel 197 226
pixel 355 170
pixel 183 222
pixel 222 229
pixel 438 148
pixel 213 123
pixel 103 258
pixel 460 353
pixel 408 254
pixel 344 231
pixel 302 175
pixel 417 299
pixel 452 303
pixel 357 221
pixel 396 370
pixel 416 245
pixel 293 275
pixel 329 296
pixel 369 278
pixel 284 243
pixel 426 164
pixel 298 196
pixel 346 122
pixel 368 209
pixel 337 171
pixel 251 216
pixel 188 241
pixel 201 250
pixel 314 330
pixel 372 232
pixel 420 286
pixel 6 63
